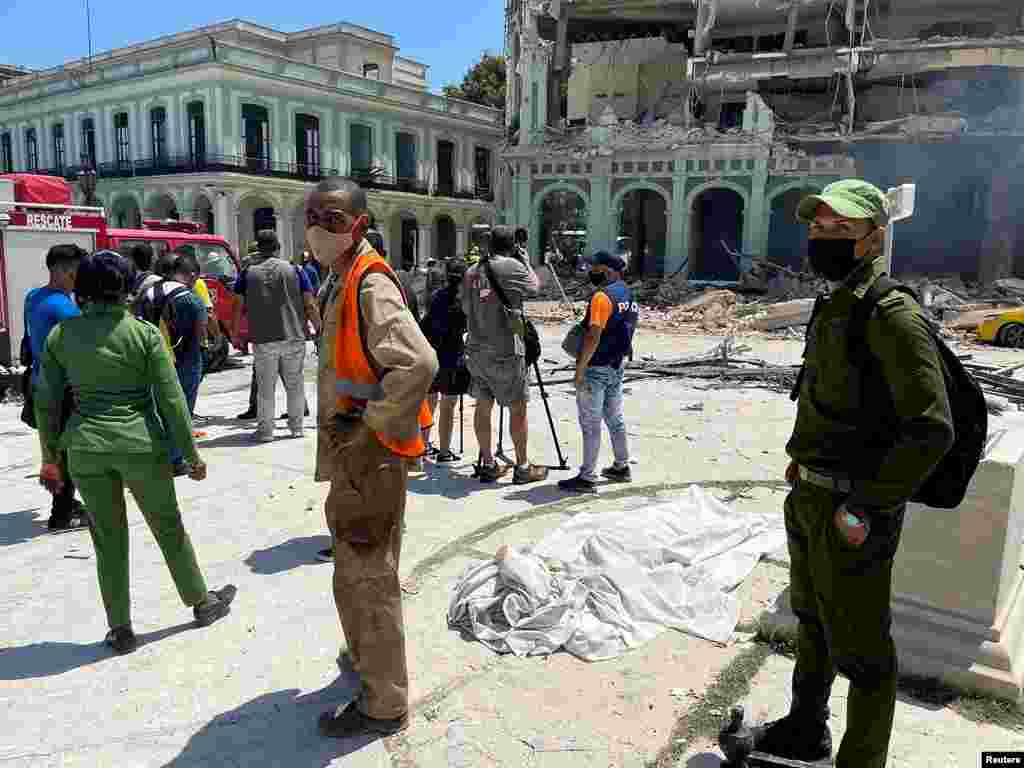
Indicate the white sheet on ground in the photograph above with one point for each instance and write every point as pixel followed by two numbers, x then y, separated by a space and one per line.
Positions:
pixel 604 583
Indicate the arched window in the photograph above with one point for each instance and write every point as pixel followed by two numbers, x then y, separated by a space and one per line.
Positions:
pixel 256 130
pixel 122 145
pixel 307 145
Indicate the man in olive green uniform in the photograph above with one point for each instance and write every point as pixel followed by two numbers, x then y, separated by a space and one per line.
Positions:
pixel 850 488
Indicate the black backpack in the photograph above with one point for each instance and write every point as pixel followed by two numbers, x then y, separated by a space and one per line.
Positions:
pixel 947 485
pixel 161 307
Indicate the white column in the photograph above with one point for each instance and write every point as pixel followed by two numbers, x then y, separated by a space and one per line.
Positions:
pixel 43 144
pixel 173 140
pixel 18 146
pixel 133 131
pixel 460 241
pixel 215 116
pixel 103 130
pixel 111 143
pixel 71 139
pixel 223 215
pixel 284 234
pixel 424 241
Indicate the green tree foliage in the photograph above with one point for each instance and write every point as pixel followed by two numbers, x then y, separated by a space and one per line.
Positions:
pixel 483 84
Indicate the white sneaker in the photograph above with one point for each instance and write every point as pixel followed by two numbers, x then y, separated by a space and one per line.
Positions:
pixel 298 433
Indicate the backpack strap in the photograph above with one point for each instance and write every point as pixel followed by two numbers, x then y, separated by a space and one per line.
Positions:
pixel 857 330
pixel 794 394
pixel 166 312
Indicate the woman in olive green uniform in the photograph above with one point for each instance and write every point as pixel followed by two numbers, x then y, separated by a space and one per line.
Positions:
pixel 129 407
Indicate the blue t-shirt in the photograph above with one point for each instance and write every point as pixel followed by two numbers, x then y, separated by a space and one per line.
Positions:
pixel 44 308
pixel 305 286
pixel 313 275
pixel 188 310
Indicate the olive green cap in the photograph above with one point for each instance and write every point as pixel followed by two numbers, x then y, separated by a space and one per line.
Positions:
pixel 852 198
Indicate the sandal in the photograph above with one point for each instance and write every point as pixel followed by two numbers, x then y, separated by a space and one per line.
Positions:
pixel 446 457
pixel 122 640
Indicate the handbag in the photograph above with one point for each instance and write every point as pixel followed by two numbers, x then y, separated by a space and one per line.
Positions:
pixel 522 325
pixel 573 341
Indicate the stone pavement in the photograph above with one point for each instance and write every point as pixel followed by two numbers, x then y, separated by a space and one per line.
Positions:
pixel 247 691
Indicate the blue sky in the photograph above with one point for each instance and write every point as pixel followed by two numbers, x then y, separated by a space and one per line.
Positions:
pixel 448 35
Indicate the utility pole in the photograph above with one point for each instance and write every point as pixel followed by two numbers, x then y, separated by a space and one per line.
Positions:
pixel 88 28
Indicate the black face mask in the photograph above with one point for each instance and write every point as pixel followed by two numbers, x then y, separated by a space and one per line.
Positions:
pixel 598 278
pixel 832 259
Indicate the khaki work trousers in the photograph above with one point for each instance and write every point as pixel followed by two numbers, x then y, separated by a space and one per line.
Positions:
pixel 365 509
pixel 842 596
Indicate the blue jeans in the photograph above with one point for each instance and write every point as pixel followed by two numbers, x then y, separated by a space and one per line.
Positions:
pixel 601 398
pixel 189 376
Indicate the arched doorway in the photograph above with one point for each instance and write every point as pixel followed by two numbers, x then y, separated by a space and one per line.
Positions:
pixel 202 213
pixel 717 218
pixel 480 235
pixel 404 245
pixel 643 231
pixel 444 238
pixel 787 237
pixel 255 212
pixel 563 224
pixel 125 214
pixel 162 206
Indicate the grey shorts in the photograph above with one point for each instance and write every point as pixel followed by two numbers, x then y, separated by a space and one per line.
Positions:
pixel 498 378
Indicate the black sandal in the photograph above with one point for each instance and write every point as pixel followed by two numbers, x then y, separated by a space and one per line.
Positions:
pixel 122 640
pixel 446 457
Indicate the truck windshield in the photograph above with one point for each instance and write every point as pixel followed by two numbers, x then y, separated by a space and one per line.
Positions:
pixel 213 260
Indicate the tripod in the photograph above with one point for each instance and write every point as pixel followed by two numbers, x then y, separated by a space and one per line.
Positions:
pixel 563 463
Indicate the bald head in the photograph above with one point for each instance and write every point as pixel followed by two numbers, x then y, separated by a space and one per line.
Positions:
pixel 344 193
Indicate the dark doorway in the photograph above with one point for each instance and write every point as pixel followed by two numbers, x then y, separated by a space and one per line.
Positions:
pixel 360 148
pixel 446 168
pixel 307 145
pixel 787 237
pixel 409 234
pixel 717 217
pixel 263 218
pixel 643 232
pixel 405 152
pixel 445 248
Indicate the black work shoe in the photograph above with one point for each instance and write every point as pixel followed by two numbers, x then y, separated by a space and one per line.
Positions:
pixel 61 524
pixel 180 469
pixel 247 416
pixel 578 484
pixel 347 721
pixel 618 474
pixel 122 640
pixel 325 555
pixel 284 416
pixel 794 739
pixel 529 474
pixel 216 606
pixel 489 473
pixel 445 457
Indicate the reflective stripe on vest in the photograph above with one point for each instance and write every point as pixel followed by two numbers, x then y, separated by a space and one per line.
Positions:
pixel 359 391
pixel 356 381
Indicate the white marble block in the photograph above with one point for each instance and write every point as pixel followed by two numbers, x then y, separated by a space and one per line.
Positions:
pixel 957 609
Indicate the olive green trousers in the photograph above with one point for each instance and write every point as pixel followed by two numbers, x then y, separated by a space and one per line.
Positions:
pixel 102 480
pixel 842 596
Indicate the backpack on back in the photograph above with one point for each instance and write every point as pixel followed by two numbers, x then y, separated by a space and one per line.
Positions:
pixel 159 310
pixel 947 485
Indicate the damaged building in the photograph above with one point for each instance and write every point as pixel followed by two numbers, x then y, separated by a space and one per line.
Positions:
pixel 685 132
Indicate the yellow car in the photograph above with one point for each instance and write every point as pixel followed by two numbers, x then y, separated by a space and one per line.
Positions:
pixel 1006 330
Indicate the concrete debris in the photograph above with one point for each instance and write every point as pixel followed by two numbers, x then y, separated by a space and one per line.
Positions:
pixel 970 320
pixel 1001 390
pixel 1011 285
pixel 785 314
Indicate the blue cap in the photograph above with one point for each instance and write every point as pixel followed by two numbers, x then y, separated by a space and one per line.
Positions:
pixel 605 259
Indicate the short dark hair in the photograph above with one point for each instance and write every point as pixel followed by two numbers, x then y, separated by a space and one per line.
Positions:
pixel 142 255
pixel 184 262
pixel 65 257
pixel 522 236
pixel 165 264
pixel 105 277
pixel 502 240
pixel 340 185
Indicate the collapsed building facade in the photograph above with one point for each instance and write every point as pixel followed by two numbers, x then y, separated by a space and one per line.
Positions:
pixel 679 131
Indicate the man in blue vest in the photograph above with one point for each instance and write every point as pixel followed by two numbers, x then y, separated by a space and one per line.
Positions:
pixel 610 321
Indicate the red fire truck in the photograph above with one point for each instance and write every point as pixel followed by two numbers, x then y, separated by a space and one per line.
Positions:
pixel 36 213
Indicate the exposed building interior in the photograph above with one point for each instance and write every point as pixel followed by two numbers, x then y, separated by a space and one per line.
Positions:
pixel 893 90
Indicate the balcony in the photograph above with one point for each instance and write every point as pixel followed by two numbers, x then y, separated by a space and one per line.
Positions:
pixel 259 166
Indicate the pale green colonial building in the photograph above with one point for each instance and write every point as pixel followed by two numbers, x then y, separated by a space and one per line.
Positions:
pixel 230 124
pixel 611 148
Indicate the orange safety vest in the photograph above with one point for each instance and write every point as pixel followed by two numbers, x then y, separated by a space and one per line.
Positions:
pixel 357 384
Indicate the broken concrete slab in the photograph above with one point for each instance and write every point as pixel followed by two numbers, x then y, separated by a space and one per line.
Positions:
pixel 784 315
pixel 969 321
pixel 710 298
pixel 1010 285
